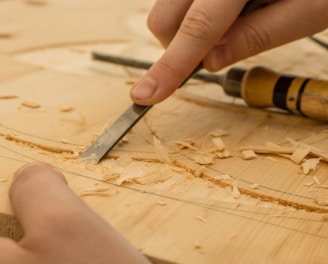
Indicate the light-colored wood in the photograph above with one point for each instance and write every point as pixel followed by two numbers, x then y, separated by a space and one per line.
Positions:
pixel 182 212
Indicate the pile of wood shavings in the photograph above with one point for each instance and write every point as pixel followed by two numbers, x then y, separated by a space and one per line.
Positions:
pixel 212 148
pixel 307 156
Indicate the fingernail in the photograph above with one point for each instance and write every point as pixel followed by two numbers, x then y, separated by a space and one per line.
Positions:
pixel 144 89
pixel 220 57
pixel 33 167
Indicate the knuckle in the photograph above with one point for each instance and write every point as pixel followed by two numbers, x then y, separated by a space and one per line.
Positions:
pixel 154 24
pixel 161 28
pixel 256 40
pixel 198 25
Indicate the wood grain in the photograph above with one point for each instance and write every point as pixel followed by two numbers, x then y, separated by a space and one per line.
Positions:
pixel 177 212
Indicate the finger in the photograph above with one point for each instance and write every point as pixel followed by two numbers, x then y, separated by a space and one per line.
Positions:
pixel 277 24
pixel 204 24
pixel 38 192
pixel 58 226
pixel 165 18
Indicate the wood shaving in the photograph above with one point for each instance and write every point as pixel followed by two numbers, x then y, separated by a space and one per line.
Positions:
pixel 254 186
pixel 66 109
pixel 218 133
pixel 110 177
pixel 222 177
pixel 132 171
pixel 219 144
pixel 300 152
pixel 8 96
pixel 203 159
pixel 316 180
pixel 270 149
pixel 248 154
pixel 93 194
pixel 124 140
pixel 202 219
pixel 224 154
pixel 309 183
pixel 271 158
pixel 321 200
pixel 186 144
pixel 161 203
pixel 30 104
pixel 235 190
pixel 310 165
pixel 100 191
pixel 199 172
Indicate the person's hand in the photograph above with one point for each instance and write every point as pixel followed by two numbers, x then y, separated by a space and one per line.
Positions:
pixel 58 226
pixel 212 31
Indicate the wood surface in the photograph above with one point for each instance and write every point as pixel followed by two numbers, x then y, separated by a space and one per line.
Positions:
pixel 177 211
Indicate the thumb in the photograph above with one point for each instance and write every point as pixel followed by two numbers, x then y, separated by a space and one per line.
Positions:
pixel 37 192
pixel 195 38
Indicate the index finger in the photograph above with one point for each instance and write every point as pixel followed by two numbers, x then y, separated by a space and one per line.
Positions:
pixel 204 24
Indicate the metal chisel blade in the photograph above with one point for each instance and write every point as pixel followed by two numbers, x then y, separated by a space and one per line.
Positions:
pixel 105 142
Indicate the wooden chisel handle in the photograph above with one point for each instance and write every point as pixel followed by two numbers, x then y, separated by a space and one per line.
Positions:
pixel 261 87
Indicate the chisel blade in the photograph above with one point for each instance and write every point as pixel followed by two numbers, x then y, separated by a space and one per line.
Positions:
pixel 106 141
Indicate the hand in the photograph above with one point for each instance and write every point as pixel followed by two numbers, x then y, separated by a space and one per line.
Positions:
pixel 212 31
pixel 58 226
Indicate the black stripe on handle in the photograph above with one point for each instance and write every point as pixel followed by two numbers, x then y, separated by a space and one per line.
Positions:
pixel 281 90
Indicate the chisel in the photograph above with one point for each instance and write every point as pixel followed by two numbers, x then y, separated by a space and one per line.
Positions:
pixel 258 87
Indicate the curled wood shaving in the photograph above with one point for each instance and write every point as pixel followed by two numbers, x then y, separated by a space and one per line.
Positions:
pixel 322 200
pixel 30 104
pixel 161 203
pixel 202 219
pixel 310 165
pixel 309 183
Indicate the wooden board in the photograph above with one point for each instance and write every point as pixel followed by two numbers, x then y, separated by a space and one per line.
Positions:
pixel 179 212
